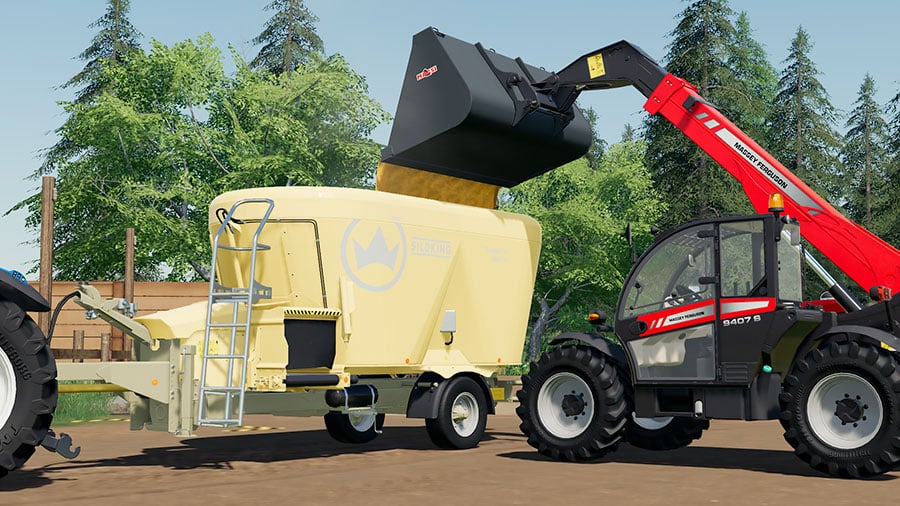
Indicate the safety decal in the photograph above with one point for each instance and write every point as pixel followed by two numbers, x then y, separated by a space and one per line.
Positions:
pixel 596 68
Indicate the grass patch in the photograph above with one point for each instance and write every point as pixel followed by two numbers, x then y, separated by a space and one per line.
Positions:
pixel 82 406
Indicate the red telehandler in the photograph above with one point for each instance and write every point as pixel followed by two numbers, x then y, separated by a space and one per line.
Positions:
pixel 711 321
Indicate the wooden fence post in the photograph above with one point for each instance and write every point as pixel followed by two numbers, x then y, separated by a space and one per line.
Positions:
pixel 78 346
pixel 48 187
pixel 129 276
pixel 105 352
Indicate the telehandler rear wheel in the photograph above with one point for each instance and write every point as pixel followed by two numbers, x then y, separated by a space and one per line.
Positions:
pixel 842 409
pixel 353 428
pixel 27 387
pixel 573 404
pixel 462 415
pixel 664 433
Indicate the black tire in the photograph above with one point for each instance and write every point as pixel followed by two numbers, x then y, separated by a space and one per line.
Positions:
pixel 573 405
pixel 353 428
pixel 27 374
pixel 680 431
pixel 463 428
pixel 861 383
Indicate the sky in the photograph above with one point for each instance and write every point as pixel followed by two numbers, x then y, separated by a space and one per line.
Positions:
pixel 40 41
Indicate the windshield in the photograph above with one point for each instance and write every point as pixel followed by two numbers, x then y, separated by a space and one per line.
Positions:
pixel 672 272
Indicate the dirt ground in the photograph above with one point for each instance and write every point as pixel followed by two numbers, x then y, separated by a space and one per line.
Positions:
pixel 293 461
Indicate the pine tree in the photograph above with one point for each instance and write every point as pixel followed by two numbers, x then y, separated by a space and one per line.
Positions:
pixel 289 39
pixel 889 208
pixel 751 67
pixel 865 156
pixel 116 38
pixel 803 137
pixel 729 71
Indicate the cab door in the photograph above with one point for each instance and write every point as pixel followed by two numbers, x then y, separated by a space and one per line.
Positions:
pixel 666 316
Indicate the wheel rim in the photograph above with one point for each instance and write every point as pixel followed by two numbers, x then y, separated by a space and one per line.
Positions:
pixel 464 414
pixel 844 411
pixel 7 388
pixel 654 423
pixel 558 396
pixel 361 422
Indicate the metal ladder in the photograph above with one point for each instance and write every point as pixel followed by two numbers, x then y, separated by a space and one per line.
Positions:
pixel 231 392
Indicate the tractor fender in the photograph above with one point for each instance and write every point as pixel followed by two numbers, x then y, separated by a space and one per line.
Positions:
pixel 877 335
pixel 599 343
pixel 20 293
pixel 429 388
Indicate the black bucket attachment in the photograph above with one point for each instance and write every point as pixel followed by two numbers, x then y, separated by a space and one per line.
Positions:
pixel 471 113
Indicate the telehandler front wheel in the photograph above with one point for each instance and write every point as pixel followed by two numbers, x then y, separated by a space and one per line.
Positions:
pixel 842 409
pixel 353 428
pixel 27 387
pixel 664 433
pixel 462 415
pixel 573 404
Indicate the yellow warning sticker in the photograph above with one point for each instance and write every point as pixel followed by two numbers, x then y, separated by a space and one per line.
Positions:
pixel 595 65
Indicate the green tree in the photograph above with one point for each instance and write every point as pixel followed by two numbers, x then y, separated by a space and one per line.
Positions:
pixel 598 145
pixel 289 38
pixel 307 127
pixel 865 157
pixel 704 52
pixel 758 79
pixel 888 208
pixel 583 211
pixel 112 44
pixel 178 131
pixel 803 136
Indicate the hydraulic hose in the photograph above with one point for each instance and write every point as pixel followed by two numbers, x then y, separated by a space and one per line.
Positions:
pixel 56 311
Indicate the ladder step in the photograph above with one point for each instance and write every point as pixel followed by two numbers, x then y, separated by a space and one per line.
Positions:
pixel 232 356
pixel 221 390
pixel 238 325
pixel 219 422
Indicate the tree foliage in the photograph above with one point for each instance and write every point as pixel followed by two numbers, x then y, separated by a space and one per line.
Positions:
pixel 115 39
pixel 289 39
pixel 177 131
pixel 723 62
pixel 583 211
pixel 803 136
pixel 864 157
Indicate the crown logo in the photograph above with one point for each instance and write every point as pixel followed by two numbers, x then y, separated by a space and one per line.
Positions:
pixel 376 253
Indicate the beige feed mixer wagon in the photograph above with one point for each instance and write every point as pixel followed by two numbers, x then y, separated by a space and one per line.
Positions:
pixel 340 302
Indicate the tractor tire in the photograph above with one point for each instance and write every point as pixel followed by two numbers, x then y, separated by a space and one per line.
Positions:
pixel 573 405
pixel 841 405
pixel 353 428
pixel 27 387
pixel 664 433
pixel 462 416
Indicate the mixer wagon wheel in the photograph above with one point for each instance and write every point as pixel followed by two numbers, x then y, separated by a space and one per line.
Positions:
pixel 354 428
pixel 27 387
pixel 462 415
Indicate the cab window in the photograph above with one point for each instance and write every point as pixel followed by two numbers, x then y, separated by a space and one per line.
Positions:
pixel 670 274
pixel 743 254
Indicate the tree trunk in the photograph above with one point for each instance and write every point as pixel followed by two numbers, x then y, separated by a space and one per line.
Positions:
pixel 543 321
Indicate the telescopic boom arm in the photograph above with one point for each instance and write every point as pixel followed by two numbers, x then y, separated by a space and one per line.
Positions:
pixel 863 256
